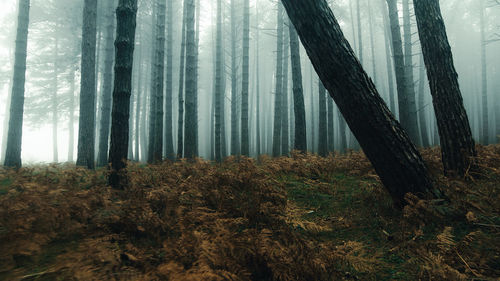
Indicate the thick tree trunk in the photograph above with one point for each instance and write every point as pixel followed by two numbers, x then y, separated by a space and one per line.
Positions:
pixel 457 144
pixel 421 105
pixel 323 129
pixel 279 85
pixel 190 124
pixel 300 142
pixel 102 155
pixel 386 144
pixel 169 144
pixel 14 138
pixel 245 146
pixel 86 127
pixel 125 42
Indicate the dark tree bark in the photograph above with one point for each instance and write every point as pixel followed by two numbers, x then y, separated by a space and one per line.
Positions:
pixel 323 129
pixel 219 88
pixel 245 146
pixel 14 137
pixel 279 85
pixel 191 83
pixel 169 144
pixel 457 144
pixel 300 142
pixel 124 45
pixel 386 144
pixel 86 127
pixel 102 155
pixel 159 80
pixel 182 70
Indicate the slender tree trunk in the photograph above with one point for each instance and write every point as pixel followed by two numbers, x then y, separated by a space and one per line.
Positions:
pixel 313 123
pixel 484 81
pixel 331 132
pixel 71 123
pixel 160 73
pixel 13 150
pixel 234 81
pixel 245 146
pixel 102 155
pixel 410 87
pixel 421 105
pixel 138 104
pixel 300 142
pixel 55 102
pixel 285 143
pixel 372 42
pixel 342 133
pixel 180 121
pixel 257 81
pixel 125 42
pixel 219 94
pixel 190 124
pixel 403 105
pixel 323 130
pixel 457 144
pixel 154 83
pixel 360 34
pixel 197 54
pixel 169 144
pixel 388 56
pixel 386 144
pixel 86 127
pixel 279 85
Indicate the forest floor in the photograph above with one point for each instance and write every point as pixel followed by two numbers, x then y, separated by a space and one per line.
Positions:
pixel 298 218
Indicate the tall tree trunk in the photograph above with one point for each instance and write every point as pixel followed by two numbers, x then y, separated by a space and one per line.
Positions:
pixel 55 102
pixel 342 133
pixel 323 130
pixel 331 132
pixel 190 124
pixel 160 73
pixel 245 146
pixel 182 70
pixel 86 127
pixel 71 123
pixel 14 138
pixel 197 54
pixel 386 144
pixel 125 42
pixel 234 81
pixel 372 42
pixel 421 105
pixel 410 87
pixel 285 136
pixel 169 144
pixel 388 56
pixel 279 85
pixel 219 91
pixel 457 144
pixel 398 56
pixel 257 81
pixel 360 33
pixel 484 81
pixel 153 90
pixel 300 142
pixel 102 155
pixel 138 104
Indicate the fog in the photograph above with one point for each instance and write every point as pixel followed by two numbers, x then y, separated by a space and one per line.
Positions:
pixel 53 74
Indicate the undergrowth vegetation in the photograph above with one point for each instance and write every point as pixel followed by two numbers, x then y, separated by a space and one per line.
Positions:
pixel 297 218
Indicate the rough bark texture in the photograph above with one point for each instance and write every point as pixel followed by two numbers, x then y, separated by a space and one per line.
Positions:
pixel 323 129
pixel 190 124
pixel 124 46
pixel 86 127
pixel 14 138
pixel 300 142
pixel 457 144
pixel 169 144
pixel 245 149
pixel 386 144
pixel 279 85
pixel 102 155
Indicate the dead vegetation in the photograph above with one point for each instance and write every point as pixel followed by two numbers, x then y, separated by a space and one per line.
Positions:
pixel 298 218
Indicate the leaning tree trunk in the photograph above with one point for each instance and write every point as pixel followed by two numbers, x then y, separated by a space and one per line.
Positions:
pixel 102 155
pixel 300 142
pixel 14 138
pixel 457 144
pixel 86 127
pixel 245 147
pixel 279 85
pixel 323 129
pixel 190 124
pixel 125 40
pixel 393 155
